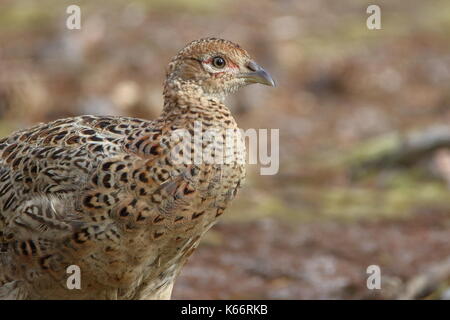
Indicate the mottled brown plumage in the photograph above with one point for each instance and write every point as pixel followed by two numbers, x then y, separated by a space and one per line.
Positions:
pixel 107 193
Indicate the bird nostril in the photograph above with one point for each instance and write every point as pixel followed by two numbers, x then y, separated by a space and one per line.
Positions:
pixel 252 66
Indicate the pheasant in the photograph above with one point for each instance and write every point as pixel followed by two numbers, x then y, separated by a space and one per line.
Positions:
pixel 109 194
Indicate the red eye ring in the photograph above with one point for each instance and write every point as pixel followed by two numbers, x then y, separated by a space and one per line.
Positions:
pixel 218 62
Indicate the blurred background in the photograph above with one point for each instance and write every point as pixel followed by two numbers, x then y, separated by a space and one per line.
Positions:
pixel 363 115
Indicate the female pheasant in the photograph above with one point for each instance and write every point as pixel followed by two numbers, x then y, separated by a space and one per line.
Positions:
pixel 109 194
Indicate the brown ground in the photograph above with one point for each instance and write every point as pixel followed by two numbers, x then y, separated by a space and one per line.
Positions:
pixel 271 260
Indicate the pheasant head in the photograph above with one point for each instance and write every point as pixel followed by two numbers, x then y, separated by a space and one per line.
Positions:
pixel 214 68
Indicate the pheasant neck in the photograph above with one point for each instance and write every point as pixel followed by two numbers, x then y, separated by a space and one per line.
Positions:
pixel 189 101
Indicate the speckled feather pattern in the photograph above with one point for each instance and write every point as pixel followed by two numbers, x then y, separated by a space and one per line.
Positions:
pixel 104 193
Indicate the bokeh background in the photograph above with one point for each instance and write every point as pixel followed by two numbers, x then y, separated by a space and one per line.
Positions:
pixel 364 130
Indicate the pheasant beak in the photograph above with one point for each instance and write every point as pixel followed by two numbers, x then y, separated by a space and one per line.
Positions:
pixel 257 75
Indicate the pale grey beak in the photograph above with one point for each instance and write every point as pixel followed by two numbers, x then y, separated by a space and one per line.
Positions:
pixel 257 75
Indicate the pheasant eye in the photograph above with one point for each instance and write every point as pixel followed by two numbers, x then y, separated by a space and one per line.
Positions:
pixel 218 62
